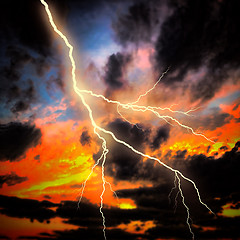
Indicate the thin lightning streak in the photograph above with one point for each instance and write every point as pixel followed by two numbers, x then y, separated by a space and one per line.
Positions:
pixel 144 109
pixel 193 109
pixel 175 120
pixel 104 188
pixel 122 115
pixel 175 205
pixel 129 105
pixel 187 208
pixel 85 182
pixel 125 118
pixel 110 186
pixel 174 187
pixel 126 106
pixel 148 91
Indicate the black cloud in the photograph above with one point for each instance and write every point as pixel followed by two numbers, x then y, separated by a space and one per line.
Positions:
pixel 208 172
pixel 138 24
pixel 208 85
pixel 122 162
pixel 192 36
pixel 114 71
pixel 26 42
pixel 130 133
pixel 85 138
pixel 200 33
pixel 26 24
pixel 223 148
pixel 162 136
pixel 26 208
pixel 16 138
pixel 11 179
pixel 200 29
pixel 16 93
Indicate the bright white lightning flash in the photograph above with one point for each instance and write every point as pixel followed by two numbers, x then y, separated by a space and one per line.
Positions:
pixel 132 106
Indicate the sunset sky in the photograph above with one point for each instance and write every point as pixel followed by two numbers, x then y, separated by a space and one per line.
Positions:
pixel 121 48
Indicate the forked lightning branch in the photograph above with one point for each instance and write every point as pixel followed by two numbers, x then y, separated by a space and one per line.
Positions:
pixel 98 130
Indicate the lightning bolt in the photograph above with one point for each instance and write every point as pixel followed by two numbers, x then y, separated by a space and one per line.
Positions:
pixel 174 187
pixel 149 90
pixel 187 208
pixel 132 106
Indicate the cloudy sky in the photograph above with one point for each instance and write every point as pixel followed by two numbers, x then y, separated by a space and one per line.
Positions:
pixel 121 48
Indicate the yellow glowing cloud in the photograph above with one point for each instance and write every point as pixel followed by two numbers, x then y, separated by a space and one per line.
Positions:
pixel 230 212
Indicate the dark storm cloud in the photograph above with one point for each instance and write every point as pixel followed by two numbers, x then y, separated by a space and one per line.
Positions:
pixel 16 58
pixel 4 237
pixel 41 65
pixel 16 94
pixel 26 42
pixel 26 23
pixel 168 223
pixel 206 87
pixel 26 208
pixel 16 138
pixel 130 133
pixel 200 29
pixel 85 138
pixel 47 197
pixel 191 35
pixel 37 157
pixel 123 164
pixel 86 215
pixel 224 148
pixel 227 230
pixel 200 33
pixel 11 179
pixel 138 24
pixel 217 181
pixel 149 197
pixel 161 136
pixel 216 177
pixel 86 7
pixel 20 106
pixel 88 234
pixel 114 71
